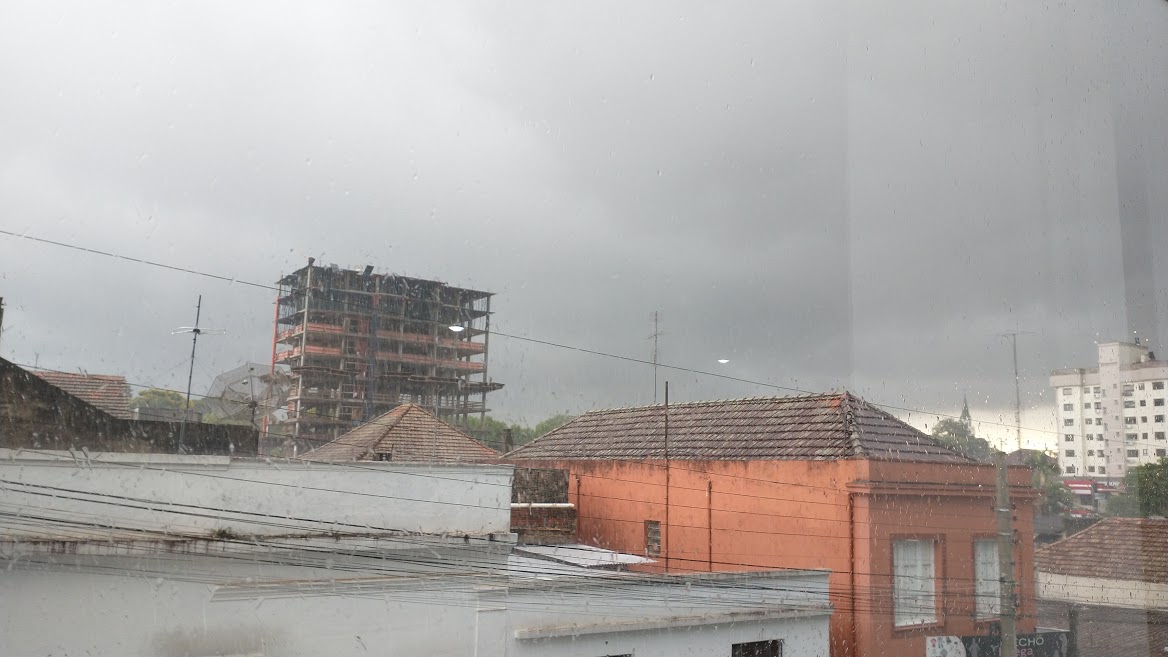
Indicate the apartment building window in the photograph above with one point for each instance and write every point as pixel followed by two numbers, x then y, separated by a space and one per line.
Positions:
pixel 653 538
pixel 1159 401
pixel 1070 452
pixel 772 648
pixel 1159 418
pixel 1131 437
pixel 1088 421
pixel 1069 437
pixel 1095 390
pixel 1090 452
pixel 1098 406
pixel 1069 422
pixel 1090 468
pixel 1145 452
pixel 987 588
pixel 1129 420
pixel 1129 404
pixel 1143 402
pixel 1159 435
pixel 1066 391
pixel 1071 469
pixel 1143 419
pixel 1068 407
pixel 1139 386
pixel 1157 385
pixel 1133 453
pixel 914 586
pixel 1162 452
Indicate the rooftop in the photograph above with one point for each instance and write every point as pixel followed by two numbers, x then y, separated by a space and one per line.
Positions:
pixel 813 427
pixel 107 392
pixel 1131 549
pixel 407 433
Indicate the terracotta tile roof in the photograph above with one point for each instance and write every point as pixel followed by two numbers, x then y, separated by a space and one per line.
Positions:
pixel 107 392
pixel 1134 549
pixel 815 428
pixel 407 433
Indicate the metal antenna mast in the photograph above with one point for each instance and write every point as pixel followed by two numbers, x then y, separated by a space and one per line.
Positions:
pixel 656 334
pixel 195 331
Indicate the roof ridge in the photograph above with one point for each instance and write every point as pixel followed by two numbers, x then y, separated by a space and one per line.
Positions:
pixel 711 402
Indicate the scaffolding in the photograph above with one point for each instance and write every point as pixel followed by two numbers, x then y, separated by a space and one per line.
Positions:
pixel 359 344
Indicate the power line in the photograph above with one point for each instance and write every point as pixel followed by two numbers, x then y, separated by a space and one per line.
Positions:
pixel 595 352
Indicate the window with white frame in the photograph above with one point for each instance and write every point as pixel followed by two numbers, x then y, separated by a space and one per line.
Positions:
pixel 914 586
pixel 988 586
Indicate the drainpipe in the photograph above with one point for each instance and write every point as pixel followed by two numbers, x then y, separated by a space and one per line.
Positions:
pixel 710 522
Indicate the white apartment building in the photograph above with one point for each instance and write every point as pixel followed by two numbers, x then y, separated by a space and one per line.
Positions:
pixel 1112 417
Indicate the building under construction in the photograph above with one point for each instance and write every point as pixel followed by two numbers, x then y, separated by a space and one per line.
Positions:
pixel 359 344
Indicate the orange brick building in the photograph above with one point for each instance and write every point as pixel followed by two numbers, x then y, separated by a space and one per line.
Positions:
pixel 905 525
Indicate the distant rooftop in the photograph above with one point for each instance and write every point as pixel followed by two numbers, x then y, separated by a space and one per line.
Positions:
pixel 814 428
pixel 407 433
pixel 107 392
pixel 1134 549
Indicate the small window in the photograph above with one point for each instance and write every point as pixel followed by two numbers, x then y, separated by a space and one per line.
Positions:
pixel 1159 418
pixel 1159 401
pixel 1129 404
pixel 914 585
pixel 1162 452
pixel 1143 402
pixel 1088 421
pixel 1090 468
pixel 1071 469
pixel 772 648
pixel 1098 406
pixel 1066 391
pixel 1102 470
pixel 1069 422
pixel 1159 435
pixel 1157 385
pixel 1143 419
pixel 1068 407
pixel 652 538
pixel 1145 452
pixel 1070 453
pixel 1095 390
pixel 1133 453
pixel 1139 386
pixel 1129 420
pixel 1131 437
pixel 1090 452
pixel 1069 437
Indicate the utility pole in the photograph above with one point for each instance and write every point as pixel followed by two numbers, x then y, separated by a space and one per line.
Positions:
pixel 1 317
pixel 1008 613
pixel 1008 616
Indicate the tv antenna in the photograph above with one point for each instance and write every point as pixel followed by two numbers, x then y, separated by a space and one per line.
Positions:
pixel 195 332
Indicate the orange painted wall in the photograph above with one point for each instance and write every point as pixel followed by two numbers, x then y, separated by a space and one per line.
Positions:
pixel 756 515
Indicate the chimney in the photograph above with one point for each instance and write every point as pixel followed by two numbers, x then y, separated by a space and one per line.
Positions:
pixel 508 441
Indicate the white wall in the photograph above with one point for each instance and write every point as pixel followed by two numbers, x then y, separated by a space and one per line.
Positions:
pixel 167 605
pixel 197 495
pixel 1096 591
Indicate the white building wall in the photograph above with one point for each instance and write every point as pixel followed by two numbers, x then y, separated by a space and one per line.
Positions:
pixel 198 495
pixel 195 606
pixel 1098 591
pixel 1112 417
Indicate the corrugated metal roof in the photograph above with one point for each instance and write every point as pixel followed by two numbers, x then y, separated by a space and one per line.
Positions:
pixel 805 428
pixel 407 433
pixel 1134 549
pixel 107 392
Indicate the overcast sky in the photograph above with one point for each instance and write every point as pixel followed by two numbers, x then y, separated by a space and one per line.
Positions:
pixel 839 194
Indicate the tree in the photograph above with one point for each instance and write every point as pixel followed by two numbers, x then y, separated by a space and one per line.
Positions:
pixel 156 398
pixel 1145 492
pixel 1055 498
pixel 958 436
pixel 551 424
